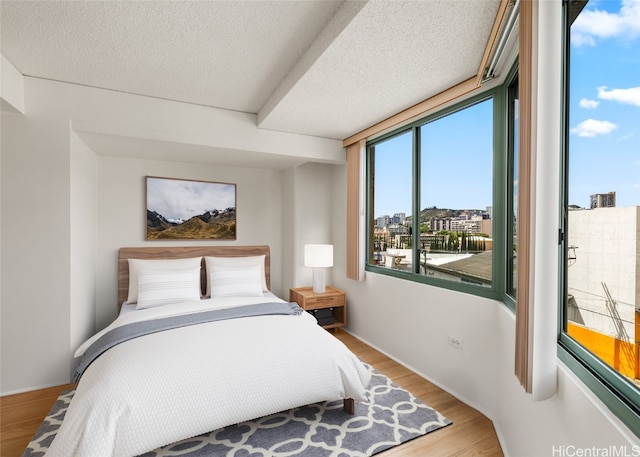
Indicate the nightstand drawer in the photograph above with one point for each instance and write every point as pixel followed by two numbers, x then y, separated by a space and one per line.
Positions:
pixel 324 301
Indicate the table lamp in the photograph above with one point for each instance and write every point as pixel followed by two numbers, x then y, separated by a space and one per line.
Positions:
pixel 319 257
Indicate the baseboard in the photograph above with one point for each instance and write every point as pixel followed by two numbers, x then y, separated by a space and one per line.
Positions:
pixel 33 389
pixel 436 383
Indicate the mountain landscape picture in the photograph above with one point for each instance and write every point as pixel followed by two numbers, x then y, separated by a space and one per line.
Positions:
pixel 190 210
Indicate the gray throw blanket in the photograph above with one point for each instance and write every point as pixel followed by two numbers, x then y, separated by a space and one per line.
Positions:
pixel 136 329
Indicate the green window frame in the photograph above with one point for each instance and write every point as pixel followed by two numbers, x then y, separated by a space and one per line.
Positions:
pixel 617 393
pixel 496 290
pixel 513 128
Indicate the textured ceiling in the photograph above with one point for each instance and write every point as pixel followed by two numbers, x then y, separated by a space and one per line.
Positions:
pixel 323 68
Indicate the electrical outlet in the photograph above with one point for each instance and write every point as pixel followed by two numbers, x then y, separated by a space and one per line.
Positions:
pixel 455 342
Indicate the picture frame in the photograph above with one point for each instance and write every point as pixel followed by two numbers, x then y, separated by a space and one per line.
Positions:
pixel 186 209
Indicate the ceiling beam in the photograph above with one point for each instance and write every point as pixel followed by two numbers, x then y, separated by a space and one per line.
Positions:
pixel 443 97
pixel 343 17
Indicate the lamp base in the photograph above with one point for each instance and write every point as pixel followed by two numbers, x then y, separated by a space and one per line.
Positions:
pixel 319 281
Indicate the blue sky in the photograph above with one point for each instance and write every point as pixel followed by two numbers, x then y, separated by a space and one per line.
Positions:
pixel 605 103
pixel 604 127
pixel 456 162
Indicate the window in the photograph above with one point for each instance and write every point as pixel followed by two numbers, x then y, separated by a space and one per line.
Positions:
pixel 456 195
pixel 391 200
pixel 512 188
pixel 600 317
pixel 431 198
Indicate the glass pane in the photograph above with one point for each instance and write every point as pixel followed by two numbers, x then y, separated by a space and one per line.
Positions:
pixel 512 189
pixel 456 195
pixel 390 163
pixel 603 239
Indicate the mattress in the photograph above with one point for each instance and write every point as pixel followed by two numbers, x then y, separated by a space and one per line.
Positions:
pixel 166 386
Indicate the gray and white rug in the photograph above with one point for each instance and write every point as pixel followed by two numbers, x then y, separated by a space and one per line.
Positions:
pixel 390 417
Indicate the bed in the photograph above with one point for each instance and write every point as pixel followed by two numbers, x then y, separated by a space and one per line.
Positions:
pixel 179 362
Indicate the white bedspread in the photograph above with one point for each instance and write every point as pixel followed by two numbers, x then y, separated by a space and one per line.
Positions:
pixel 168 386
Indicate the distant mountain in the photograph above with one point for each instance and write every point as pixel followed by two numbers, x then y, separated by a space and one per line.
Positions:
pixel 156 221
pixel 209 225
pixel 442 213
pixel 218 216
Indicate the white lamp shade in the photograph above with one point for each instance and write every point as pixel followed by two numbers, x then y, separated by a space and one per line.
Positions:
pixel 318 255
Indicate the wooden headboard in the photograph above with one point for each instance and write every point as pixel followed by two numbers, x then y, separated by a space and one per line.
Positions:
pixel 169 252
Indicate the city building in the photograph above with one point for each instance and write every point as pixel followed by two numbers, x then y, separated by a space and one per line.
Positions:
pixel 603 284
pixel 607 200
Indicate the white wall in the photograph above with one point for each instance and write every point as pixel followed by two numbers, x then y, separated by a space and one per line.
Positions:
pixel 35 260
pixel 288 230
pixel 66 210
pixel 83 245
pixel 312 200
pixel 122 215
pixel 573 417
pixel 411 322
pixel 11 87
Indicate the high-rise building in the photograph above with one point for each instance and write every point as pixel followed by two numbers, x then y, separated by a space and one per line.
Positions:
pixel 603 284
pixel 607 200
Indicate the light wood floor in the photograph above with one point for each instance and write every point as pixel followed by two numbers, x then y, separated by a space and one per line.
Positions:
pixel 20 417
pixel 471 433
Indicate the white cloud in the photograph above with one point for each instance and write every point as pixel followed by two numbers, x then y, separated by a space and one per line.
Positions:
pixel 626 137
pixel 181 200
pixel 580 39
pixel 596 23
pixel 591 128
pixel 588 104
pixel 629 96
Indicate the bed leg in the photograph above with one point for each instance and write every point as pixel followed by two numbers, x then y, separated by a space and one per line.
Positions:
pixel 349 406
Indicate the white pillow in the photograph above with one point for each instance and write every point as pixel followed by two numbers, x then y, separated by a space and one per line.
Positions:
pixel 135 265
pixel 236 281
pixel 161 287
pixel 234 262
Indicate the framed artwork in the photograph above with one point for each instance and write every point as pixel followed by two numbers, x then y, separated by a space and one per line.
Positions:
pixel 179 209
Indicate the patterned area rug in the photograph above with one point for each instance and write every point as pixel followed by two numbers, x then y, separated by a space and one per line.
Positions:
pixel 391 416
